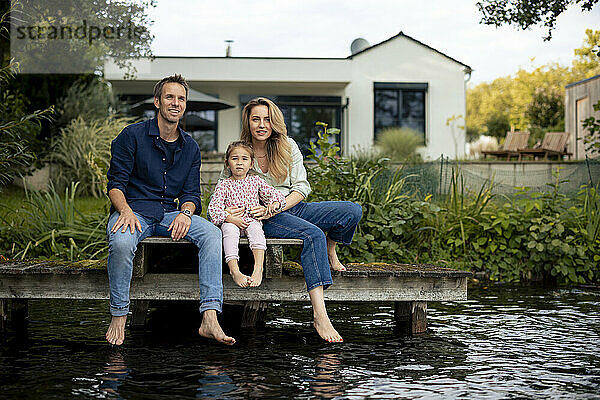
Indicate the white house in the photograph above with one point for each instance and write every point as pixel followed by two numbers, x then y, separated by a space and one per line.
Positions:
pixel 398 82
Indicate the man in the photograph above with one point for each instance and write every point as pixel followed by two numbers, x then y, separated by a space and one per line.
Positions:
pixel 153 163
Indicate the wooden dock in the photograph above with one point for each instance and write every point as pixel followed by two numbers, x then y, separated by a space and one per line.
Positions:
pixel 410 287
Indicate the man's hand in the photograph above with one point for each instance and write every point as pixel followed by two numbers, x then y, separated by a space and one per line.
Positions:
pixel 237 221
pixel 127 219
pixel 180 226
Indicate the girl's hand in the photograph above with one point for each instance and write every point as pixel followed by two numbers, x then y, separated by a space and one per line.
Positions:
pixel 259 212
pixel 235 211
pixel 237 221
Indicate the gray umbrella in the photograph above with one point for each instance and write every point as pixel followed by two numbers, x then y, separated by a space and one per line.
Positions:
pixel 197 101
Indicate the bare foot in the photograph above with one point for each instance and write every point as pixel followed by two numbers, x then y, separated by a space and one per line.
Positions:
pixel 240 279
pixel 334 262
pixel 116 330
pixel 211 329
pixel 256 278
pixel 326 330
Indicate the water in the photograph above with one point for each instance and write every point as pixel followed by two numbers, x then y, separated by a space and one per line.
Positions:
pixel 504 342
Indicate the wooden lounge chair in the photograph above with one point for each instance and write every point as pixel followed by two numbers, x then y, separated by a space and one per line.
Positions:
pixel 513 142
pixel 553 144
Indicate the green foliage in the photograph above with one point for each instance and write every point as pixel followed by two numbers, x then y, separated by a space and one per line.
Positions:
pixel 592 139
pixel 51 226
pixel 547 108
pixel 526 14
pixel 526 236
pixel 497 125
pixel 527 98
pixel 82 153
pixel 399 144
pixel 90 101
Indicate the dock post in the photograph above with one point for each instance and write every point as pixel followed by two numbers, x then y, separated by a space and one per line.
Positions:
pixel 140 261
pixel 3 314
pixel 411 315
pixel 253 311
pixel 139 309
pixel 274 261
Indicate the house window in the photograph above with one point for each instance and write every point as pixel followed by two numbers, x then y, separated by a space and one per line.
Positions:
pixel 302 112
pixel 400 105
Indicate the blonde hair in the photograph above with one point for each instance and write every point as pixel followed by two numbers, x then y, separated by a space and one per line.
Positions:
pixel 239 144
pixel 279 151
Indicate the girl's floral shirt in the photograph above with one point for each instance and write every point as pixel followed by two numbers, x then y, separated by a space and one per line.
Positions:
pixel 241 193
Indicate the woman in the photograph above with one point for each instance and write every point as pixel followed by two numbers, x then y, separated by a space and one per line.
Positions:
pixel 279 161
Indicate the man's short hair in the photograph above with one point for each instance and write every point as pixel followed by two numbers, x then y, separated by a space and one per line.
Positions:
pixel 170 79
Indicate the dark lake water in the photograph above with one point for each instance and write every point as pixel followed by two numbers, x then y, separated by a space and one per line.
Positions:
pixel 504 342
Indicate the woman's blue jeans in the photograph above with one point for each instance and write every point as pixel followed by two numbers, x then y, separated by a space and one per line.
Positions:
pixel 121 250
pixel 310 222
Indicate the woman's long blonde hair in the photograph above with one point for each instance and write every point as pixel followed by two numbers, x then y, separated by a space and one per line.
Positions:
pixel 279 151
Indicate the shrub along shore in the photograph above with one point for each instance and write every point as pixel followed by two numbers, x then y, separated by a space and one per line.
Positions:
pixel 525 236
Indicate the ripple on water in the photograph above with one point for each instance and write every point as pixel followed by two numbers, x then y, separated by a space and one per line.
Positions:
pixel 503 342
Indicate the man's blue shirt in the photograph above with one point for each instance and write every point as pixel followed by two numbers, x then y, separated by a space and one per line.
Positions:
pixel 139 169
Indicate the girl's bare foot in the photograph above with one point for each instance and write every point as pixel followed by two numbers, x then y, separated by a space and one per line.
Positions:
pixel 334 262
pixel 240 279
pixel 116 330
pixel 326 330
pixel 256 278
pixel 211 329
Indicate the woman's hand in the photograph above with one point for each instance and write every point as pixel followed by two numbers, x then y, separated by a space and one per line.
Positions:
pixel 237 221
pixel 259 212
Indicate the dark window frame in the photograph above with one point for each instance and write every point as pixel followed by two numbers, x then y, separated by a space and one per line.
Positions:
pixel 400 88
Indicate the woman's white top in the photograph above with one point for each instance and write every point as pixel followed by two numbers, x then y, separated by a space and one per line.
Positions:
pixel 296 179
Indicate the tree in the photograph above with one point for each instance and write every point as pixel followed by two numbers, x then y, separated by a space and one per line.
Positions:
pixel 587 61
pixel 527 13
pixel 547 108
pixel 17 127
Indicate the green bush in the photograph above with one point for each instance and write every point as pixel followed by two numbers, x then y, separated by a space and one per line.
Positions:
pixel 82 153
pixel 526 236
pixel 399 144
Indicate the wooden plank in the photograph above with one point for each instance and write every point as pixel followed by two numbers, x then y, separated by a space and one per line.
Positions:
pixel 252 313
pixel 286 288
pixel 243 241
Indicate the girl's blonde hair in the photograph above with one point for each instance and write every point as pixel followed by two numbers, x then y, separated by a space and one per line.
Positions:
pixel 279 151
pixel 244 145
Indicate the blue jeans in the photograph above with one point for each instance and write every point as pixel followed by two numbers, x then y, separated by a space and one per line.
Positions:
pixel 121 250
pixel 309 222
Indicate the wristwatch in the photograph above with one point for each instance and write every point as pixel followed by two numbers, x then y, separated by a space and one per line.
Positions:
pixel 186 212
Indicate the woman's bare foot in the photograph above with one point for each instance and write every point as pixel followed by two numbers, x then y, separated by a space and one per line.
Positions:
pixel 326 330
pixel 211 329
pixel 334 262
pixel 116 330
pixel 256 278
pixel 240 279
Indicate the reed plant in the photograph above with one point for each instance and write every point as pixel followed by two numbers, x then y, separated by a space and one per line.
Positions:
pixel 81 153
pixel 51 226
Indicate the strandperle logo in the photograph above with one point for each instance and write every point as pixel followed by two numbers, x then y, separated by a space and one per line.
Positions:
pixel 82 31
pixel 78 36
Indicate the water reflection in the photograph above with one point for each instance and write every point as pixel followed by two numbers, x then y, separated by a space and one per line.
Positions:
pixel 326 383
pixel 115 372
pixel 215 383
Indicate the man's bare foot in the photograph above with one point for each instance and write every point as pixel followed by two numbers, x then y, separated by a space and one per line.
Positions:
pixel 116 330
pixel 256 278
pixel 326 330
pixel 211 329
pixel 334 262
pixel 240 279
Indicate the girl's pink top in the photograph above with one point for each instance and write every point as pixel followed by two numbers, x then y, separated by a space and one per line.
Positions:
pixel 241 193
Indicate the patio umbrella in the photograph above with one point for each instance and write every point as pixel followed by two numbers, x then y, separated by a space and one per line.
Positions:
pixel 197 101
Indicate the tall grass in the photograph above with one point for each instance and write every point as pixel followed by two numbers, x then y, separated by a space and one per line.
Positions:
pixel 51 226
pixel 82 153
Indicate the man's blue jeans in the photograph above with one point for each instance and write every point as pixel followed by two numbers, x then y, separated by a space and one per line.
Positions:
pixel 309 222
pixel 121 250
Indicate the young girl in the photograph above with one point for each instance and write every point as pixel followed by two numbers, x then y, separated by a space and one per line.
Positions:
pixel 243 190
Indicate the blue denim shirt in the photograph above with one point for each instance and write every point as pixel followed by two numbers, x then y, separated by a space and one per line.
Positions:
pixel 139 169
